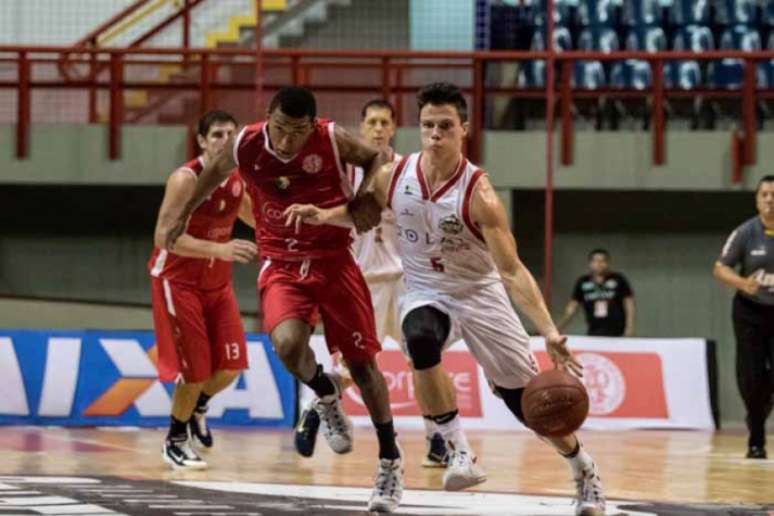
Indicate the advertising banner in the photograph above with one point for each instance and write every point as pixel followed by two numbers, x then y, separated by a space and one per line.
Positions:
pixel 632 383
pixel 109 378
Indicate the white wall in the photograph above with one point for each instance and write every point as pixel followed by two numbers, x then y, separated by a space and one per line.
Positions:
pixel 63 22
pixel 53 22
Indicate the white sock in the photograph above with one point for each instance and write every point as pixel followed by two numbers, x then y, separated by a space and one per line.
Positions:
pixel 579 462
pixel 452 432
pixel 431 428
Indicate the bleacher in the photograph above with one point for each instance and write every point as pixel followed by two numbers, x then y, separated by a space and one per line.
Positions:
pixel 609 26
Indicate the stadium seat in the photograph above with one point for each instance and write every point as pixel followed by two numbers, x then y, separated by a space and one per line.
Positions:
pixel 729 73
pixel 596 13
pixel 639 13
pixel 733 12
pixel 687 75
pixel 636 73
pixel 562 12
pixel 768 13
pixel 591 74
pixel 689 12
pixel 533 73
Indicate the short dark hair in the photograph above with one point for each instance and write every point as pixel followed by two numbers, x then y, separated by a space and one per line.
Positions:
pixel 440 93
pixel 214 117
pixel 765 179
pixel 378 104
pixel 295 102
pixel 599 250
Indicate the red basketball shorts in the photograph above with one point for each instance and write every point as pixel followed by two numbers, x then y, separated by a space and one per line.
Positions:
pixel 198 332
pixel 333 286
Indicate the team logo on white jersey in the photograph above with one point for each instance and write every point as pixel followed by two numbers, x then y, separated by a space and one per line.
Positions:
pixel 312 164
pixel 450 225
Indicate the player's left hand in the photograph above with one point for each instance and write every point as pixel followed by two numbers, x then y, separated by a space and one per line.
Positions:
pixel 556 345
pixel 297 214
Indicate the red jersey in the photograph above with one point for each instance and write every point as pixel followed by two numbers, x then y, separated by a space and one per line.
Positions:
pixel 213 220
pixel 313 176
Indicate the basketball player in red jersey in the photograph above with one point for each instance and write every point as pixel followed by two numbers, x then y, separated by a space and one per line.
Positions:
pixel 294 157
pixel 463 277
pixel 199 331
pixel 377 255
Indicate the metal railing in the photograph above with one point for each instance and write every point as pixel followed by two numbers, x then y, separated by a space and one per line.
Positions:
pixel 395 71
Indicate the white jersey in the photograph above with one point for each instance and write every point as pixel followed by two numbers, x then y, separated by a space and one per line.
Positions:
pixel 441 247
pixel 376 251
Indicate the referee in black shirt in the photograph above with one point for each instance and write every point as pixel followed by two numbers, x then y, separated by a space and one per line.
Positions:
pixel 750 248
pixel 607 299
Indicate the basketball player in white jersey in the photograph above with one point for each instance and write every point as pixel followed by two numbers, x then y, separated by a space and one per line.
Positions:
pixel 461 265
pixel 377 255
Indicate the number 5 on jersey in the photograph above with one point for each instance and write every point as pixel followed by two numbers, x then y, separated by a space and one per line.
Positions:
pixel 437 264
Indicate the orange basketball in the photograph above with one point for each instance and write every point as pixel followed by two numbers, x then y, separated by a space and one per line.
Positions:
pixel 555 403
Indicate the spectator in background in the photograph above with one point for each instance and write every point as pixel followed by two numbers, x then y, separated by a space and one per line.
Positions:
pixel 751 248
pixel 607 299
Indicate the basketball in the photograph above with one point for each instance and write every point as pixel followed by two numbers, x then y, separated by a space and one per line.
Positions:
pixel 555 403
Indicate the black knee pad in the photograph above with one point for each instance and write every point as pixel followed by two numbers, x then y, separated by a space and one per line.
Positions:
pixel 512 398
pixel 425 330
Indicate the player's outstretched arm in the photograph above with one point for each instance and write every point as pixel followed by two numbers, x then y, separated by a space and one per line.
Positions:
pixel 488 212
pixel 180 186
pixel 215 171
pixel 297 214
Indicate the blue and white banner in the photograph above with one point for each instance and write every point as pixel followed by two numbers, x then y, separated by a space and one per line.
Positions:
pixel 109 378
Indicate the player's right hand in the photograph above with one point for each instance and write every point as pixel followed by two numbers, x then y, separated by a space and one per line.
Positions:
pixel 750 286
pixel 242 251
pixel 556 346
pixel 297 214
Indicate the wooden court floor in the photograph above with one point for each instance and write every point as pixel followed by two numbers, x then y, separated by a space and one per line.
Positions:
pixel 665 466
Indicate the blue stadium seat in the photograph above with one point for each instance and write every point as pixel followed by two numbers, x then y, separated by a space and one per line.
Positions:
pixel 533 73
pixel 766 68
pixel 631 74
pixel 590 74
pixel 596 13
pixel 729 73
pixel 687 75
pixel 562 13
pixel 598 39
pixel 638 13
pixel 636 73
pixel 768 12
pixel 650 39
pixel 689 12
pixel 733 12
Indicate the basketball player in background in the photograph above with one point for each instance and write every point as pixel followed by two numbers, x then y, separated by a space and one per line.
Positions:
pixel 199 331
pixel 461 264
pixel 376 253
